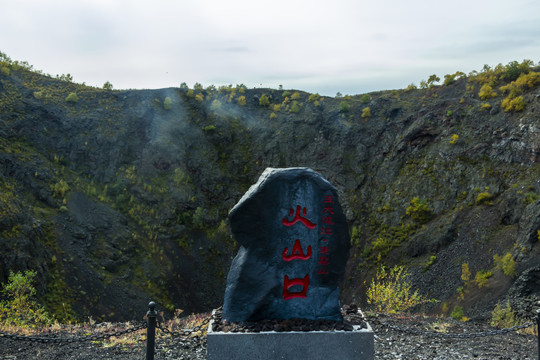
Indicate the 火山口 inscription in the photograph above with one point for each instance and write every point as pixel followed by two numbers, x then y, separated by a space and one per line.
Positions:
pixel 294 245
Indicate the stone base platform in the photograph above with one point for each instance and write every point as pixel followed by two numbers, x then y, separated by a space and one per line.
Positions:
pixel 314 345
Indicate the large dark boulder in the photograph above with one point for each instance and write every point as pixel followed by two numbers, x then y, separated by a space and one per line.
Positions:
pixel 294 245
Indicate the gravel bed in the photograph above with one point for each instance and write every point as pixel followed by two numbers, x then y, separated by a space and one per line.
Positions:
pixel 390 343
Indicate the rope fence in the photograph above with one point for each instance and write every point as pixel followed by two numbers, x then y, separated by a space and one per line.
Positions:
pixel 459 335
pixel 152 324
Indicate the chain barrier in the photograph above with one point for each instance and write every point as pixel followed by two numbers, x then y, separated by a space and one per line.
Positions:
pixel 71 339
pixel 184 332
pixel 456 335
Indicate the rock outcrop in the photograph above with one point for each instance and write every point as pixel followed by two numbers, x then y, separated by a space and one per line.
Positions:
pixel 117 199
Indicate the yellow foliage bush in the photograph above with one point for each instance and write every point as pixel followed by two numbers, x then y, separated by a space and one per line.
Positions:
pixel 481 278
pixel 465 273
pixel 516 104
pixel 366 112
pixel 503 317
pixel 506 264
pixel 486 92
pixel 390 291
pixel 484 198
pixel 314 97
pixel 523 82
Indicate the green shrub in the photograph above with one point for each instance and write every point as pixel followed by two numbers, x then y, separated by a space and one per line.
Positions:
pixel 72 98
pixel 264 100
pixel 295 107
pixel 465 273
pixel 313 97
pixel 273 115
pixel 514 69
pixel 65 77
pixel 167 103
pixel 411 87
pixel 418 211
pixel 432 80
pixel 20 308
pixel 107 86
pixel 432 260
pixel 390 291
pixel 241 88
pixel 4 69
pixel 461 293
pixel 344 107
pixel 295 95
pixel 241 100
pixel 198 219
pixel 514 102
pixel 60 189
pixel 450 79
pixel 524 82
pixel 365 98
pixel 481 278
pixel 506 264
pixel 503 317
pixel 215 107
pixel 458 314
pixel 382 244
pixel 355 236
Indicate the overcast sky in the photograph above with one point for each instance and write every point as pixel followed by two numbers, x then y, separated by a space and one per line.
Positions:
pixel 350 46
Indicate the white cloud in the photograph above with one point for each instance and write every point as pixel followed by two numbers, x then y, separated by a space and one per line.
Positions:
pixel 349 46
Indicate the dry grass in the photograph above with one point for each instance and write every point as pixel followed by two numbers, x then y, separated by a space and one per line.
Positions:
pixel 187 323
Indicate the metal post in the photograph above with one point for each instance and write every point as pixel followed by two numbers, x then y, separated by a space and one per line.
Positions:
pixel 151 330
pixel 538 330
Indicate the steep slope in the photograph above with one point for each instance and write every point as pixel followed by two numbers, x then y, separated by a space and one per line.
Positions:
pixel 118 197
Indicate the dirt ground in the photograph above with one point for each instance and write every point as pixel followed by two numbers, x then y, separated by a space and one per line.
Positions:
pixel 390 343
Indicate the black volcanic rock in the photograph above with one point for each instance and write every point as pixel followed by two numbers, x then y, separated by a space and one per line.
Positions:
pixel 295 244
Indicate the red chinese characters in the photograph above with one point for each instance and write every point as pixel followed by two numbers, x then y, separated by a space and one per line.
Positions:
pixel 298 217
pixel 287 284
pixel 327 223
pixel 297 253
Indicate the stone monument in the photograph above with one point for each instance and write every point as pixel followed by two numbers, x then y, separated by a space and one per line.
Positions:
pixel 294 244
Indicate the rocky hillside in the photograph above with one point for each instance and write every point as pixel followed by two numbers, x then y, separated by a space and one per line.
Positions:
pixel 118 197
